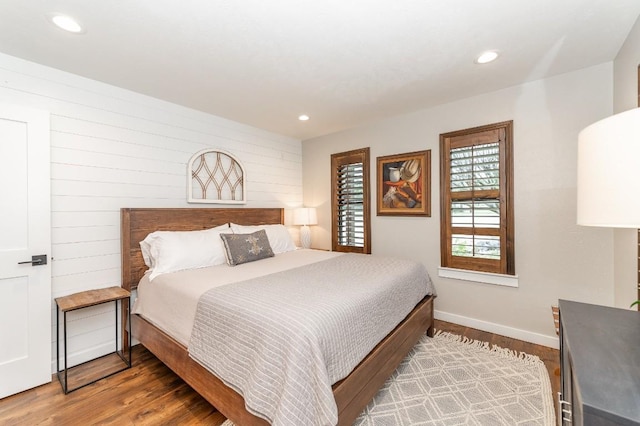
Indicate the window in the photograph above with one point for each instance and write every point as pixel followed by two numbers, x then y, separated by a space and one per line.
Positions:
pixel 476 199
pixel 351 230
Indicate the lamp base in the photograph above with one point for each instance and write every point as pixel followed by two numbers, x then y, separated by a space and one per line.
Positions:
pixel 305 237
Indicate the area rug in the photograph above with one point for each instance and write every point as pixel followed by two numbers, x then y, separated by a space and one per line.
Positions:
pixel 452 380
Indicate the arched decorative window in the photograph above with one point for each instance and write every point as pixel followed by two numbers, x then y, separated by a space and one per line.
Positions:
pixel 216 176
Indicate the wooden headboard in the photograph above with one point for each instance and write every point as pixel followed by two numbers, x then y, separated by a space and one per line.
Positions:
pixel 137 223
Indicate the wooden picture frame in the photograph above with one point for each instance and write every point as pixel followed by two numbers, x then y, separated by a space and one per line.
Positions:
pixel 404 184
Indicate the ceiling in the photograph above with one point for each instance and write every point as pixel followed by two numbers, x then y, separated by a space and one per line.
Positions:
pixel 342 62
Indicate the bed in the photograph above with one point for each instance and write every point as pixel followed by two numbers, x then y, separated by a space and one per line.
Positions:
pixel 351 394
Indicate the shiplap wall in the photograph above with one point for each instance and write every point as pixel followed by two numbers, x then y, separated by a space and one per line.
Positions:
pixel 112 148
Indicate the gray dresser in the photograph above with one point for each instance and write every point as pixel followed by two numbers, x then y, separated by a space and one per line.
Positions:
pixel 600 365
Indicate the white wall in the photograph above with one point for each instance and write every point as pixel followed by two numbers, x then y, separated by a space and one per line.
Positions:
pixel 625 72
pixel 554 257
pixel 625 97
pixel 111 148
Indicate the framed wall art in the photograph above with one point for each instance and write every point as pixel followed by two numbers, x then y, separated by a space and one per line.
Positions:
pixel 217 177
pixel 404 184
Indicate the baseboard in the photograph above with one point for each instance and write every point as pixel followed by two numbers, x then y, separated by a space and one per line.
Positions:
pixel 503 330
pixel 83 356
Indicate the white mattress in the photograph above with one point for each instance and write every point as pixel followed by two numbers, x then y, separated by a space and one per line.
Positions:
pixel 170 300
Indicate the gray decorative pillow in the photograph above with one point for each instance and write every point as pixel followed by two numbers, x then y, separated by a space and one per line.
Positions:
pixel 243 248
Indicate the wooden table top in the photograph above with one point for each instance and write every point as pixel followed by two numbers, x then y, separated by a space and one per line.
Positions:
pixel 91 297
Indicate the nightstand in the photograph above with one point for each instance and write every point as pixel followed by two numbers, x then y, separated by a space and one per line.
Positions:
pixel 85 373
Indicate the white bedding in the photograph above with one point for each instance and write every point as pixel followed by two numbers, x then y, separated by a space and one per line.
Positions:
pixel 170 300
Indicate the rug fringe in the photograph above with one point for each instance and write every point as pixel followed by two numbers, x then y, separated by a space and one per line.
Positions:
pixel 504 352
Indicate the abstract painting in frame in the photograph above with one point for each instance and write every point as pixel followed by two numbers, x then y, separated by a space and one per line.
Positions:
pixel 404 184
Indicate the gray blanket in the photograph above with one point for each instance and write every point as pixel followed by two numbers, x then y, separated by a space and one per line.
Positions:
pixel 282 340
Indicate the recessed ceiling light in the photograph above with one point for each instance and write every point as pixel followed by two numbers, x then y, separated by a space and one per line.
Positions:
pixel 486 57
pixel 66 22
pixel 303 117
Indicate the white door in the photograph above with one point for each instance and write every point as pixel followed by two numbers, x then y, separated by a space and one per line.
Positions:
pixel 25 231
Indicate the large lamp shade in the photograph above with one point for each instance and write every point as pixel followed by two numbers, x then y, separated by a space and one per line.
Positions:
pixel 609 172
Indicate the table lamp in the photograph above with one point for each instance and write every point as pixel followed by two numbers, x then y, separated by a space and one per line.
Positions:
pixel 305 216
pixel 609 172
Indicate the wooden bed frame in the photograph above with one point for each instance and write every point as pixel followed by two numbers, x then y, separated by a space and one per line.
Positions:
pixel 352 394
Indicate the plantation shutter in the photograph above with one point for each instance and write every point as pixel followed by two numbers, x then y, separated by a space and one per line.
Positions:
pixel 350 201
pixel 476 187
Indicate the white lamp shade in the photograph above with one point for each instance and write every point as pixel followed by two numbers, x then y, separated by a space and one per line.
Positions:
pixel 305 216
pixel 609 172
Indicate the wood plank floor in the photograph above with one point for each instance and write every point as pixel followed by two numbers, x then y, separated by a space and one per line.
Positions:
pixel 150 394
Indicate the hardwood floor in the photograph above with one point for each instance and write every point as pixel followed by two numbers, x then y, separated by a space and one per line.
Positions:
pixel 150 394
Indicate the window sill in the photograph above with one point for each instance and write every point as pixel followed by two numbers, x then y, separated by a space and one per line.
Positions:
pixel 479 277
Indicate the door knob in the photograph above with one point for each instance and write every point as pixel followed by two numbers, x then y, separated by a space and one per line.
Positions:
pixel 37 260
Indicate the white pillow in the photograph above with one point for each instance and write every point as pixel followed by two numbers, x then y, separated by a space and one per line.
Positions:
pixel 170 251
pixel 145 245
pixel 278 235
